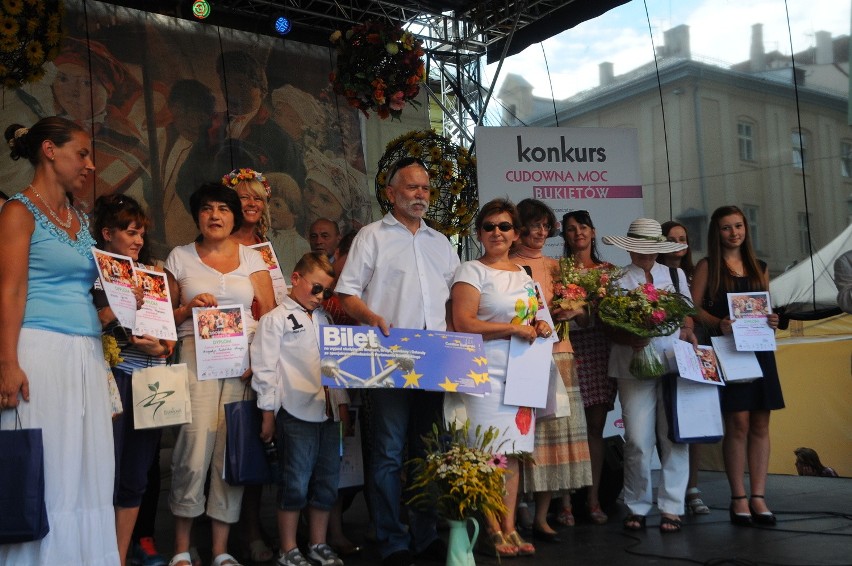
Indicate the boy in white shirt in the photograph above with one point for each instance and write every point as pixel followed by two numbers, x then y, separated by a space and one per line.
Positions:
pixel 296 411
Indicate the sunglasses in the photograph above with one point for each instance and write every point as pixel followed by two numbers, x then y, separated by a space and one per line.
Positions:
pixel 316 289
pixel 503 226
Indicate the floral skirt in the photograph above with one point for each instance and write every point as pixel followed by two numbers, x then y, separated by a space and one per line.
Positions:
pixel 561 459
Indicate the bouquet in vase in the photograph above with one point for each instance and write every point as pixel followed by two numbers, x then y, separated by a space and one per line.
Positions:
pixel 647 312
pixel 460 474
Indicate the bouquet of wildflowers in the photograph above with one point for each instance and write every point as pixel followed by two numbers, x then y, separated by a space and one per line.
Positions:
pixel 575 287
pixel 460 474
pixel 647 312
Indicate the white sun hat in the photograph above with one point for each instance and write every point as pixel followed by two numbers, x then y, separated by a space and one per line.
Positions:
pixel 644 237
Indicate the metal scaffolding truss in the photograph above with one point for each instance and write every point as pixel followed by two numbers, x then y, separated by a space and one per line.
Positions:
pixel 456 35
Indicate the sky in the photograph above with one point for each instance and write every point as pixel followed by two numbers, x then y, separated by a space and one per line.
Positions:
pixel 720 31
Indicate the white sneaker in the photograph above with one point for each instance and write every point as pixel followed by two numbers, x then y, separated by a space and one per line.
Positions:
pixel 293 557
pixel 324 555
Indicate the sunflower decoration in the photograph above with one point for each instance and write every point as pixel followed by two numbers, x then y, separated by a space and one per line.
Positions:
pixel 30 34
pixel 453 198
pixel 379 67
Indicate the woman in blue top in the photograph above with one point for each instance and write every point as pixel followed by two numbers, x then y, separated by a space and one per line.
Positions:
pixel 51 360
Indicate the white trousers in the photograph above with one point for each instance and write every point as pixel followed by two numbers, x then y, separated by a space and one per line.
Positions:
pixel 200 447
pixel 645 428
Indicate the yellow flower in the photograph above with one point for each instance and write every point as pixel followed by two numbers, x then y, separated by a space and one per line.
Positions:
pixel 9 44
pixel 13 7
pixel 335 37
pixel 35 53
pixel 392 48
pixel 32 26
pixel 9 27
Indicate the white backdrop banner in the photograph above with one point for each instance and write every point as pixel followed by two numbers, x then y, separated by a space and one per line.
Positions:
pixel 594 169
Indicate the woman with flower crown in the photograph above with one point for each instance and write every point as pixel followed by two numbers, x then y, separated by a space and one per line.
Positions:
pixel 254 191
pixel 51 360
pixel 642 407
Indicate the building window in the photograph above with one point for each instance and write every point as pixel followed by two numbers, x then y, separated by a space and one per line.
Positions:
pixel 751 216
pixel 846 159
pixel 804 240
pixel 745 136
pixel 800 144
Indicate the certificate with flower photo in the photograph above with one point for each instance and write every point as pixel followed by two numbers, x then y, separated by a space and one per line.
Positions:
pixel 221 341
pixel 117 281
pixel 155 318
pixel 279 280
pixel 749 313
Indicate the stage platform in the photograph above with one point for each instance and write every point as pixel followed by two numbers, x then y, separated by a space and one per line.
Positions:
pixel 814 528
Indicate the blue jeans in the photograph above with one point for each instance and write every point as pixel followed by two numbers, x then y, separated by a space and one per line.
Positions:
pixel 399 416
pixel 309 456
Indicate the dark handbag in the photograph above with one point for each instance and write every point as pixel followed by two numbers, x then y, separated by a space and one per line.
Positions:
pixel 23 515
pixel 245 457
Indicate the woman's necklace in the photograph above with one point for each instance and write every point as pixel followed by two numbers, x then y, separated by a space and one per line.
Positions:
pixel 518 253
pixel 68 220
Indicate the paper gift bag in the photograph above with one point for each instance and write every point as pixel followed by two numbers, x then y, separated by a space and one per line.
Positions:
pixel 23 515
pixel 693 413
pixel 161 396
pixel 558 400
pixel 245 456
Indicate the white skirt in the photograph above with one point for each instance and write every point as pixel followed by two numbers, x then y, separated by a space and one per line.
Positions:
pixel 70 403
pixel 516 424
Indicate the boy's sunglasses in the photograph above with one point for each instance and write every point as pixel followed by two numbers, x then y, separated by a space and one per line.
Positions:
pixel 316 289
pixel 503 226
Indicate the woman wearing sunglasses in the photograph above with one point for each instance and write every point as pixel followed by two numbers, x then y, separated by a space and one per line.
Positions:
pixel 494 297
pixel 214 270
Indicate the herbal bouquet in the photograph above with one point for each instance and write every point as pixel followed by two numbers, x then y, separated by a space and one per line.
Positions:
pixel 647 312
pixel 574 287
pixel 460 475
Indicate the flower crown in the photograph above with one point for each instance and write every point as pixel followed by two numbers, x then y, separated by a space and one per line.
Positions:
pixel 237 176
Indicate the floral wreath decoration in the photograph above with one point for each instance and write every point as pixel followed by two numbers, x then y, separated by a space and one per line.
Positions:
pixel 30 36
pixel 379 68
pixel 245 174
pixel 453 198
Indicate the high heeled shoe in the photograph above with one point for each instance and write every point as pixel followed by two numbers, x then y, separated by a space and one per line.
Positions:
pixel 497 544
pixel 741 519
pixel 765 518
pixel 524 548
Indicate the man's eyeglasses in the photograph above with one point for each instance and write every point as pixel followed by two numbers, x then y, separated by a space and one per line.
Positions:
pixel 316 289
pixel 503 226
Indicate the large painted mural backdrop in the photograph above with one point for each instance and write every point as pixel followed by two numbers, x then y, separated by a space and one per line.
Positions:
pixel 172 104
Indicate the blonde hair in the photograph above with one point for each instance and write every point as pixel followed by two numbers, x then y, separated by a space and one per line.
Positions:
pixel 258 189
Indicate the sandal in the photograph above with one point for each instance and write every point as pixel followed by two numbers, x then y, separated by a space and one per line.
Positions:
pixel 259 552
pixel 225 559
pixel 524 548
pixel 694 503
pixel 565 517
pixel 764 518
pixel 597 516
pixel 634 522
pixel 669 525
pixel 181 559
pixel 495 543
